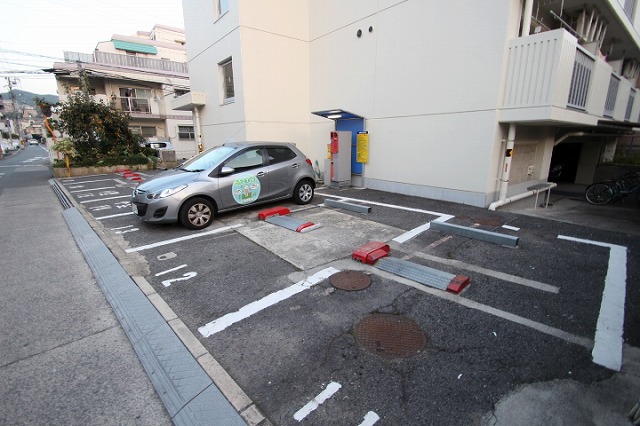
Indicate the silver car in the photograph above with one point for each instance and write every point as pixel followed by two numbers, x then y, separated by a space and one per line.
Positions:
pixel 223 178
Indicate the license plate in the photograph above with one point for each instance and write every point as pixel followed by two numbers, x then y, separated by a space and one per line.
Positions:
pixel 134 208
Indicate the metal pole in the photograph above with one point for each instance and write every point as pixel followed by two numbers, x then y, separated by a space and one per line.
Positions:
pixel 14 103
pixel 196 114
pixel 526 17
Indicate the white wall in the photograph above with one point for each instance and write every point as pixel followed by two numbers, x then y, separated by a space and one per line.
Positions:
pixel 429 91
pixel 427 79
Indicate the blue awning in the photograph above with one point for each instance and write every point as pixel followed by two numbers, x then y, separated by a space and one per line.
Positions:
pixel 134 47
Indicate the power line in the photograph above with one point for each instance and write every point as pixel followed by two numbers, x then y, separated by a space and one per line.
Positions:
pixel 21 64
pixel 2 50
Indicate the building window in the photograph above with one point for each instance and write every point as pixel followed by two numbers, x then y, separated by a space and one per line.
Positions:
pixel 186 133
pixel 135 100
pixel 222 7
pixel 228 91
pixel 144 131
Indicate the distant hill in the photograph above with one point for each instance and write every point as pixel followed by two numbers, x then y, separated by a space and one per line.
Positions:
pixel 26 98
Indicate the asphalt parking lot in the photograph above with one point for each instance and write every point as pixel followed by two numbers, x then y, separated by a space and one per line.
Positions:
pixel 260 299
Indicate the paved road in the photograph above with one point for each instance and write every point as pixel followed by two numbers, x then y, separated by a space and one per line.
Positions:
pixel 64 358
pixel 529 317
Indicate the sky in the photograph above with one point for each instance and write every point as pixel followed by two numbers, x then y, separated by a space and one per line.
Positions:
pixel 35 33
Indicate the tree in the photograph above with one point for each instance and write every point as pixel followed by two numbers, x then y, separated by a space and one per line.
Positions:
pixel 98 131
pixel 46 108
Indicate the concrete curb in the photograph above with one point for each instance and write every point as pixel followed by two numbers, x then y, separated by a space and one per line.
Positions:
pixel 144 315
pixel 186 390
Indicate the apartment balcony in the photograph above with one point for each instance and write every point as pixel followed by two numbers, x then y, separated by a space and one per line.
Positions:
pixel 145 108
pixel 138 62
pixel 188 101
pixel 134 105
pixel 552 80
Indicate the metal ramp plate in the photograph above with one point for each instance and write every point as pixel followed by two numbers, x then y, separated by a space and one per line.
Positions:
pixel 415 272
pixel 293 224
pixel 284 221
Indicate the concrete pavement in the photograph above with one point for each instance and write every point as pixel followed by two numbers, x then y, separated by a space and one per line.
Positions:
pixel 65 358
pixel 81 343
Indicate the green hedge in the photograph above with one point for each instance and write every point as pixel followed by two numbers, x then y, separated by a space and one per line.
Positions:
pixel 132 160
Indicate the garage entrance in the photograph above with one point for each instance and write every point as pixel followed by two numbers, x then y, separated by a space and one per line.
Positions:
pixel 564 162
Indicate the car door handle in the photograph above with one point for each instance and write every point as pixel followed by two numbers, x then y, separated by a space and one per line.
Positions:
pixel 294 166
pixel 261 174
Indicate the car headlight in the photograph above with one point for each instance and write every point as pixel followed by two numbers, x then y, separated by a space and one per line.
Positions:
pixel 167 192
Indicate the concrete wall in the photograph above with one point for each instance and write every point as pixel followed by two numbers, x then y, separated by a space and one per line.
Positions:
pixel 426 76
pixel 430 109
pixel 210 41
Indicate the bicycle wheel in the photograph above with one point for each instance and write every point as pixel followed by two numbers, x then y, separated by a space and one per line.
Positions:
pixel 599 193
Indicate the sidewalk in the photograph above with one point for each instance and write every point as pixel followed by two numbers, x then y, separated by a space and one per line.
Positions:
pixel 64 356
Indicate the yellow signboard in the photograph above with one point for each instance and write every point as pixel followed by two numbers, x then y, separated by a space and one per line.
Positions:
pixel 362 147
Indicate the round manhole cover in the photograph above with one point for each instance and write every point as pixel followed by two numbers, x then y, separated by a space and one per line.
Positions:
pixel 350 280
pixel 390 336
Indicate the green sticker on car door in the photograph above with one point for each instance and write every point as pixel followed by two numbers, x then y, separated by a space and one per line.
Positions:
pixel 246 189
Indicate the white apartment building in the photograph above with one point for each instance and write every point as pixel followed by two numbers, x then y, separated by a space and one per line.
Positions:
pixel 462 100
pixel 142 73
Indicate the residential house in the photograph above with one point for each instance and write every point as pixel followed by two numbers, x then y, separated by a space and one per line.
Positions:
pixel 140 74
pixel 464 101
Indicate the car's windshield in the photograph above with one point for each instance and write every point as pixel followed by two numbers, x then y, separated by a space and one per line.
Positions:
pixel 208 159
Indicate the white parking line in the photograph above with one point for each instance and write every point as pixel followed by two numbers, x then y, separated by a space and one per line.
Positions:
pixel 420 229
pixel 113 215
pixel 543 328
pixel 185 238
pixel 73 181
pixel 370 419
pixel 93 189
pixel 246 311
pixel 442 217
pixel 327 393
pixel 491 273
pixel 607 349
pixel 171 270
pixel 104 199
pixel 393 206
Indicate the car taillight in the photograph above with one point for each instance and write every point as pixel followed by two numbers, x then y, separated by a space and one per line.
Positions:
pixel 309 162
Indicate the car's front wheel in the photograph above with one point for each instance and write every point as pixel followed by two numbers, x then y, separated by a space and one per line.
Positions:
pixel 303 192
pixel 197 213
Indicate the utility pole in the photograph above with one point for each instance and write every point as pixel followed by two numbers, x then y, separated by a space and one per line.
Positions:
pixel 14 103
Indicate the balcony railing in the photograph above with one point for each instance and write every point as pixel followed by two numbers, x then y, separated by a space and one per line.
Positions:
pixel 134 104
pixel 580 80
pixel 127 61
pixel 632 96
pixel 551 78
pixel 612 95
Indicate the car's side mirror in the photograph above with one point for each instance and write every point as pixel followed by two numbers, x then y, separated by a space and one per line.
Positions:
pixel 226 170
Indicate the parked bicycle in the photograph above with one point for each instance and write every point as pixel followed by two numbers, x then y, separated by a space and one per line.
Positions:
pixel 604 192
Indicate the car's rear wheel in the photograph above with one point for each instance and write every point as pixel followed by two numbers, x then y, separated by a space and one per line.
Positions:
pixel 303 192
pixel 197 213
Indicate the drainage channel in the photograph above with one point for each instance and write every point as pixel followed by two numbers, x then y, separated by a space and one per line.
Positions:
pixel 64 200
